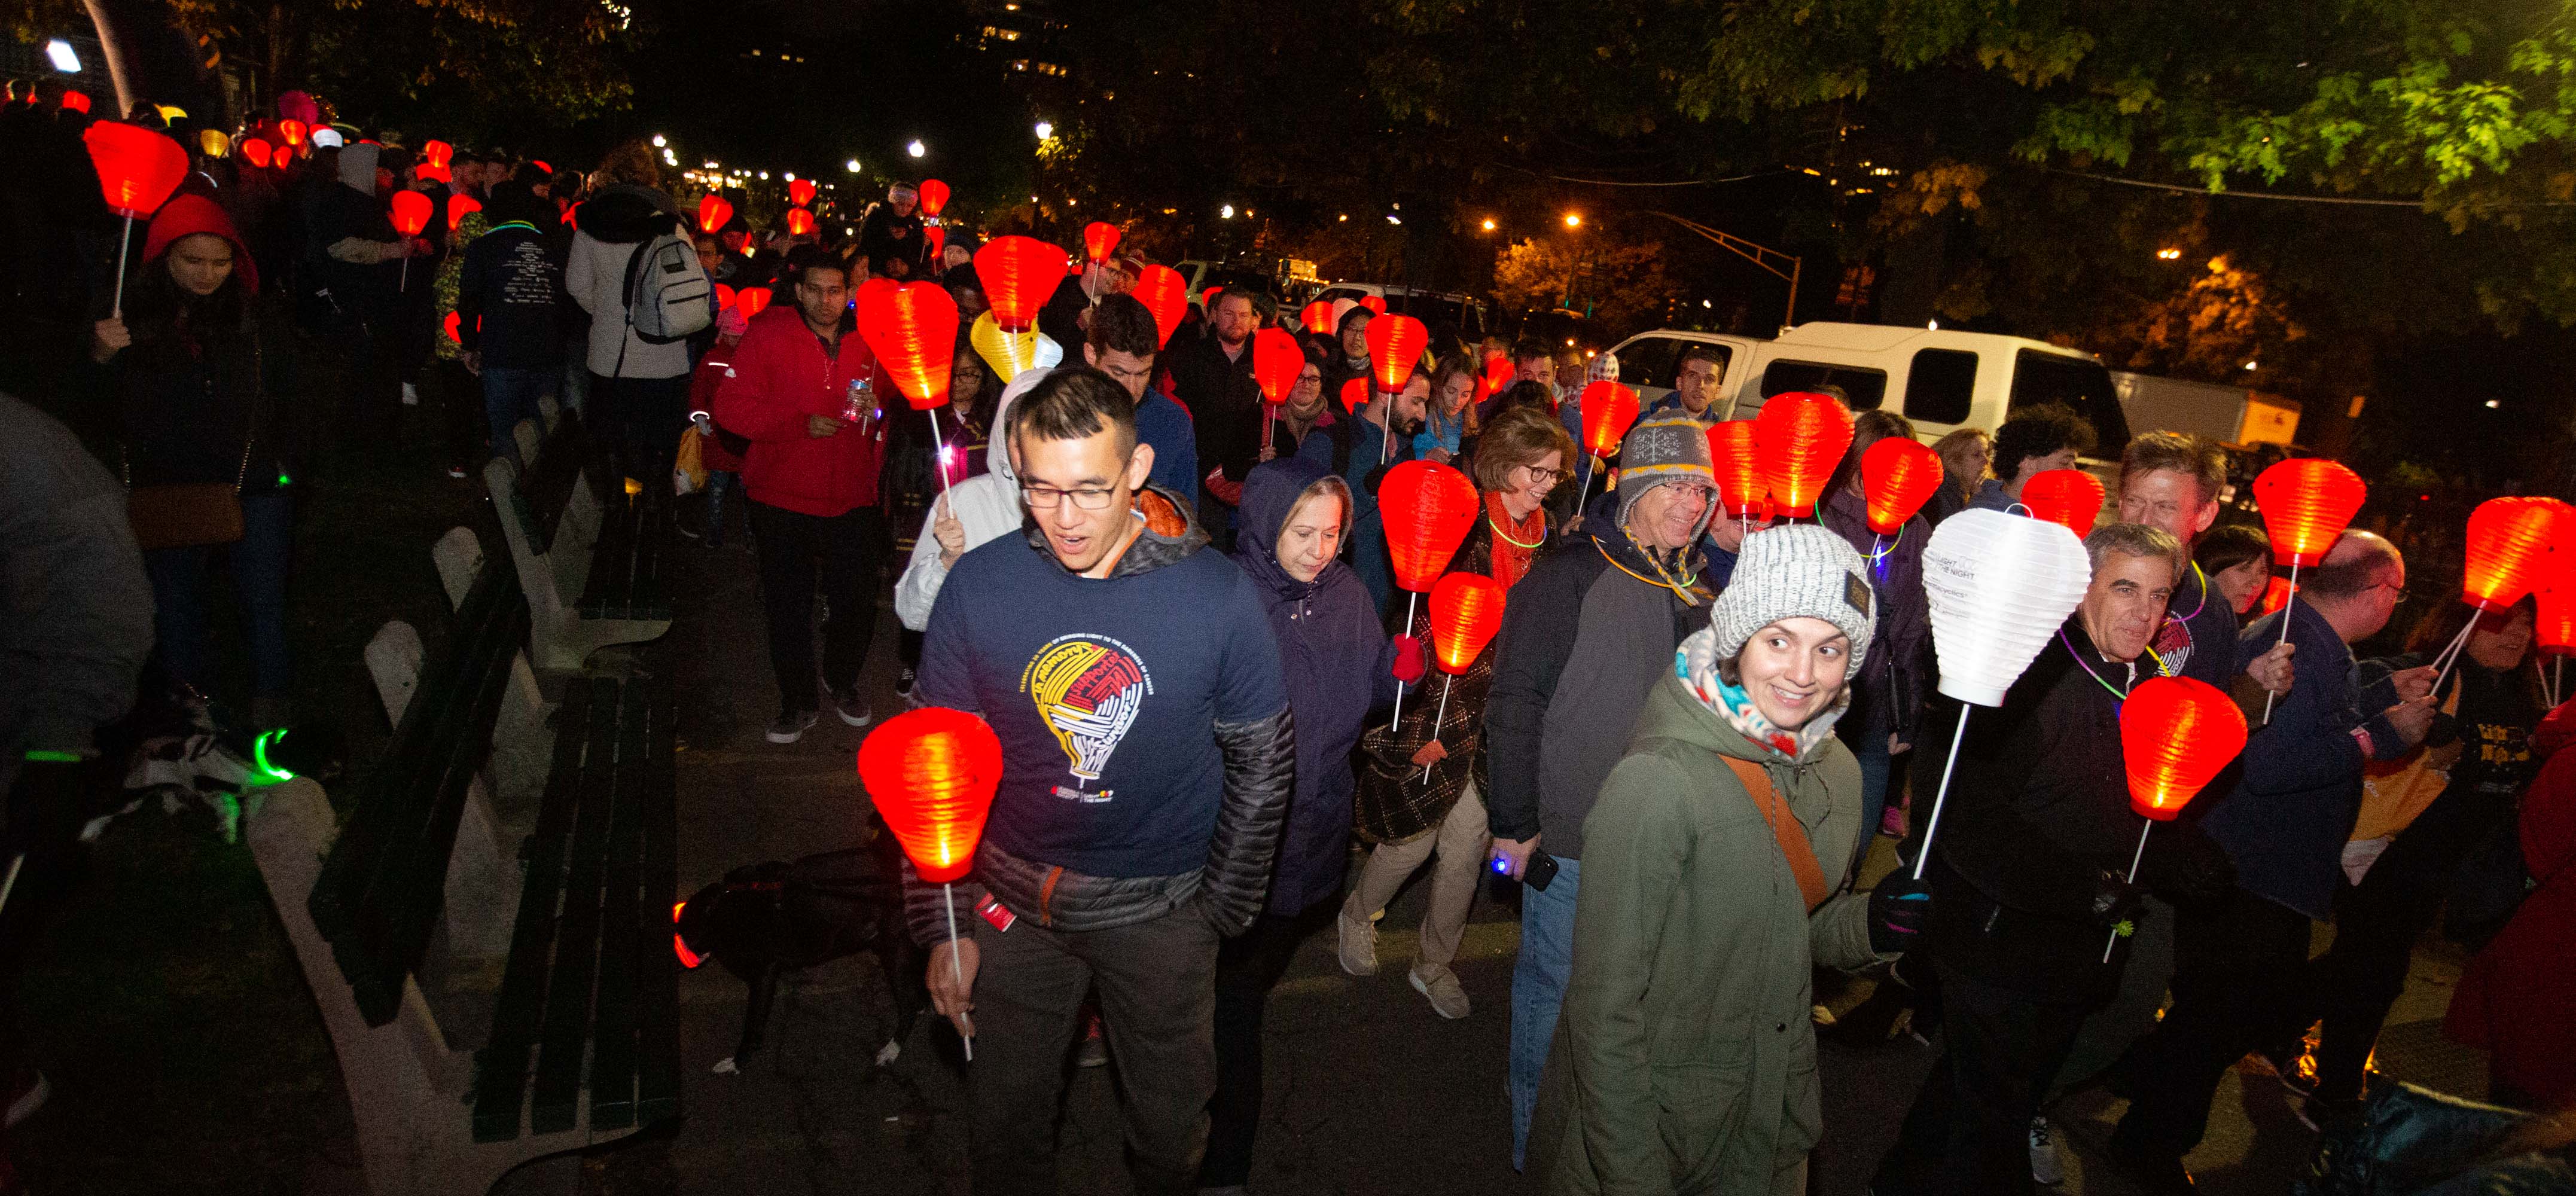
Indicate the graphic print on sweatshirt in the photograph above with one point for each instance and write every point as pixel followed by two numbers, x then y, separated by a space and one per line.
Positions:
pixel 1088 690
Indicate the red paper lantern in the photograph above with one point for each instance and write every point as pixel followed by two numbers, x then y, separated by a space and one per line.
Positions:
pixel 2175 734
pixel 934 196
pixel 1163 293
pixel 2306 503
pixel 1020 274
pixel 1317 317
pixel 800 192
pixel 541 165
pixel 931 773
pixel 1466 611
pixel 137 168
pixel 753 300
pixel 1801 437
pixel 1499 372
pixel 2276 594
pixel 713 212
pixel 434 159
pixel 1608 410
pixel 913 331
pixel 76 101
pixel 293 131
pixel 453 325
pixel 411 211
pixel 1738 465
pixel 1898 475
pixel 1395 346
pixel 1099 240
pixel 1355 394
pixel 257 151
pixel 800 223
pixel 1276 362
pixel 724 296
pixel 1429 509
pixel 2509 542
pixel 2555 628
pixel 1375 303
pixel 938 238
pixel 2070 497
pixel 570 219
pixel 459 206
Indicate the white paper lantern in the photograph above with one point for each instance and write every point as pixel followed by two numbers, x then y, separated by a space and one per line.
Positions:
pixel 1999 586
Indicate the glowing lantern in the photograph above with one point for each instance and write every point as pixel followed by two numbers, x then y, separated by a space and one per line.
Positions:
pixel 214 143
pixel 1355 393
pixel 76 101
pixel 452 324
pixel 2175 735
pixel 1395 346
pixel 1429 509
pixel 713 213
pixel 2071 498
pixel 1466 611
pixel 931 773
pixel 1739 469
pixel 1207 298
pixel 137 168
pixel 1897 475
pixel 800 223
pixel 934 196
pixel 1161 290
pixel 1317 316
pixel 2556 628
pixel 411 211
pixel 938 238
pixel 1499 373
pixel 1011 353
pixel 459 206
pixel 912 329
pixel 752 300
pixel 800 192
pixel 1801 437
pixel 1276 362
pixel 2509 539
pixel 2276 594
pixel 724 296
pixel 257 151
pixel 2306 503
pixel 570 220
pixel 1019 275
pixel 1375 303
pixel 1099 240
pixel 435 159
pixel 1608 410
pixel 541 165
pixel 293 131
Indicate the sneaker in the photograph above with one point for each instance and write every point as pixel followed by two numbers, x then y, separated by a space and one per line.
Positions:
pixel 1094 1048
pixel 903 685
pixel 26 1093
pixel 457 472
pixel 1358 943
pixel 852 707
pixel 2046 1168
pixel 1447 998
pixel 791 726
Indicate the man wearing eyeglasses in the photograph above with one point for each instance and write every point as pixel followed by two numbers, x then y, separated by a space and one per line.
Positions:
pixel 1147 762
pixel 2238 961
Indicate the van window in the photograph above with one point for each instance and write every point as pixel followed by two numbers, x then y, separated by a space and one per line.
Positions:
pixel 1354 294
pixel 1939 385
pixel 2078 383
pixel 1648 361
pixel 1862 389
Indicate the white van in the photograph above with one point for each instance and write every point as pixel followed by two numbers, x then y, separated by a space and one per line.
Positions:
pixel 1940 380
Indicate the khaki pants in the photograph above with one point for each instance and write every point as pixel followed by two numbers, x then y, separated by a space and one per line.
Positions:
pixel 1460 842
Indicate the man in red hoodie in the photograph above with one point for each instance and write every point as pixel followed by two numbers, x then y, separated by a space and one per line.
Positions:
pixel 802 389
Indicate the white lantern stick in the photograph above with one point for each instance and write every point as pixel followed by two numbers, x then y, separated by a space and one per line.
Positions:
pixel 2134 861
pixel 1923 855
pixel 2286 600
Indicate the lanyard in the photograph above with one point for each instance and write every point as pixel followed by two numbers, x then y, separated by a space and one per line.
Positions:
pixel 2119 695
pixel 1680 589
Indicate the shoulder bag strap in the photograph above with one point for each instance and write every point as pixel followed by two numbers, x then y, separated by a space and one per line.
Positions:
pixel 1784 828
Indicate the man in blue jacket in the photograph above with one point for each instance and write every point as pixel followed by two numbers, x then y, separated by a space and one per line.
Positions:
pixel 1147 765
pixel 1120 343
pixel 506 316
pixel 2237 961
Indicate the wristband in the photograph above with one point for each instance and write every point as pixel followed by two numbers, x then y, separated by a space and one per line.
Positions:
pixel 2362 736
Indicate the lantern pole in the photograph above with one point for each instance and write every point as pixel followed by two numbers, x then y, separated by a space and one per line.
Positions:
pixel 948 899
pixel 2286 601
pixel 1942 794
pixel 1448 678
pixel 939 461
pixel 11 880
pixel 1410 599
pixel 115 311
pixel 2134 861
pixel 2451 655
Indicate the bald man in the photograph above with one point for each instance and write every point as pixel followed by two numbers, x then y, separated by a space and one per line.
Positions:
pixel 2237 961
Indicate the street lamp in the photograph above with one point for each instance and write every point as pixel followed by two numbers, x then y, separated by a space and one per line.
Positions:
pixel 2168 254
pixel 1045 130
pixel 1573 220
pixel 916 149
pixel 659 141
pixel 60 53
pixel 1226 212
pixel 1489 224
pixel 852 165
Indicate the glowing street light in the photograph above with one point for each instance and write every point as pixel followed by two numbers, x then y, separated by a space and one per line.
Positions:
pixel 1046 129
pixel 1573 220
pixel 59 52
pixel 1226 212
pixel 852 165
pixel 2168 255
pixel 790 176
pixel 660 141
pixel 1489 224
pixel 916 149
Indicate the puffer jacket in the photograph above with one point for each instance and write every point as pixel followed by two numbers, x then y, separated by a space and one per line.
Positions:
pixel 1685 1061
pixel 779 376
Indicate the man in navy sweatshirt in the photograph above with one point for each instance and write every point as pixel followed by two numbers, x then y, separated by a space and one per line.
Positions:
pixel 506 316
pixel 1147 763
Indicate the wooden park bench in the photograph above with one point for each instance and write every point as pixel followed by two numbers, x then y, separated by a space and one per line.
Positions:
pixel 487 845
pixel 590 560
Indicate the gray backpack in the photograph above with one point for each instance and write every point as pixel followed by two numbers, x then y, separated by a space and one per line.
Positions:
pixel 667 296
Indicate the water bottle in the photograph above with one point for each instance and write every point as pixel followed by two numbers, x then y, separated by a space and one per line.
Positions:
pixel 862 402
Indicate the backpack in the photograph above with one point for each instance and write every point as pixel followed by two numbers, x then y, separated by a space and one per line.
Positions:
pixel 667 296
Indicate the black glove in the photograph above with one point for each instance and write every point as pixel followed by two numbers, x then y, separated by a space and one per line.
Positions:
pixel 2115 900
pixel 1899 908
pixel 2185 866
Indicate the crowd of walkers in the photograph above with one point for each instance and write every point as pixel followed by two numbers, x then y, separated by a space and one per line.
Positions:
pixel 1175 605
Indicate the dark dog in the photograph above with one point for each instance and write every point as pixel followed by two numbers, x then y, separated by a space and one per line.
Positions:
pixel 764 920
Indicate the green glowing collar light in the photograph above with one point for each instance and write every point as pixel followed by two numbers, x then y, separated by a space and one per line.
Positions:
pixel 268 773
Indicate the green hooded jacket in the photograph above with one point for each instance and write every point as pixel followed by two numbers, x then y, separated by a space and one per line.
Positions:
pixel 1685 1061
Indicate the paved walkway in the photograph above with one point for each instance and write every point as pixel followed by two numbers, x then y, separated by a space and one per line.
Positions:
pixel 1369 1091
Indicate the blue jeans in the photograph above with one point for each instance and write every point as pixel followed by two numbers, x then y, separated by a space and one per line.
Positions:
pixel 510 395
pixel 258 563
pixel 1538 989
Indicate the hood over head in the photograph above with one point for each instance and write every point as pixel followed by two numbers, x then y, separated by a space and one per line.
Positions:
pixel 357 167
pixel 624 214
pixel 1271 493
pixel 187 215
pixel 997 454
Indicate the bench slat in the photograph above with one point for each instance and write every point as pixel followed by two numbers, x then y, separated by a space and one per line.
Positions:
pixel 612 1068
pixel 657 1075
pixel 501 1068
pixel 612 560
pixel 565 1032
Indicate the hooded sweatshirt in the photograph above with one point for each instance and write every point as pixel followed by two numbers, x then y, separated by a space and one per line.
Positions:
pixel 1145 729
pixel 1338 667
pixel 987 506
pixel 608 231
pixel 2507 993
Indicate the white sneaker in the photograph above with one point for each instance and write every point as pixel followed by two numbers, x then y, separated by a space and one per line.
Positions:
pixel 411 395
pixel 1356 943
pixel 2046 1168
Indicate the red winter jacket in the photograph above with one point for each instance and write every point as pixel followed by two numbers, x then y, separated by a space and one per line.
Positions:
pixel 702 397
pixel 2514 996
pixel 780 375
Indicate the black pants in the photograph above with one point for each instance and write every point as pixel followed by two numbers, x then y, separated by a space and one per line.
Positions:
pixel 1247 968
pixel 847 549
pixel 1969 1130
pixel 639 421
pixel 2238 964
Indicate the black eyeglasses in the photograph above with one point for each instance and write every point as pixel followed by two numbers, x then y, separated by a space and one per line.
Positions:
pixel 1048 498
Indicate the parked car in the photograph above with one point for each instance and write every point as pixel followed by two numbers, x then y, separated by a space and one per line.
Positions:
pixel 1454 317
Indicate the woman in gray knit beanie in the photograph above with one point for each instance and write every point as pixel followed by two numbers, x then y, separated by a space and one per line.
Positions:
pixel 1713 863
